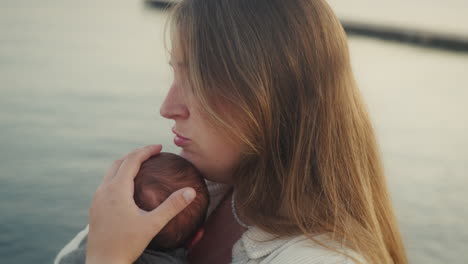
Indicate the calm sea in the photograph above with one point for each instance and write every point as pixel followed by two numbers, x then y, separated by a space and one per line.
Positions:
pixel 81 83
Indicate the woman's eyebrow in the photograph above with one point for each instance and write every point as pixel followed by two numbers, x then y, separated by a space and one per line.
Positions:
pixel 178 64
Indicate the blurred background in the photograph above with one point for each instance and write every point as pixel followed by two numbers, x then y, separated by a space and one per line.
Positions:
pixel 81 83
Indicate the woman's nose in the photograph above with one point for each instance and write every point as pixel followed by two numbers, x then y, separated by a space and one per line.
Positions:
pixel 174 106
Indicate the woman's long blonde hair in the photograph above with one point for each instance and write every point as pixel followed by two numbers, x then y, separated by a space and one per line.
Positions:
pixel 276 76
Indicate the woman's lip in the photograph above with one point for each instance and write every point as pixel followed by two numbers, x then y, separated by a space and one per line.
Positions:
pixel 179 135
pixel 179 140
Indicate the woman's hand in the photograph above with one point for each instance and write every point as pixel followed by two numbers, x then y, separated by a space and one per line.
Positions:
pixel 119 231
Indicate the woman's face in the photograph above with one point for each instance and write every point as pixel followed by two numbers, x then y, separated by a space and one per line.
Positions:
pixel 208 150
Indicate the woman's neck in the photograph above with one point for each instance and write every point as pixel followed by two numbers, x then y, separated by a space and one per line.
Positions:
pixel 221 232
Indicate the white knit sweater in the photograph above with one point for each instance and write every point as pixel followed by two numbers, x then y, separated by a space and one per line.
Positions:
pixel 258 247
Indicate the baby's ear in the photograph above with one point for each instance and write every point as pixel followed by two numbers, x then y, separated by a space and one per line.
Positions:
pixel 195 239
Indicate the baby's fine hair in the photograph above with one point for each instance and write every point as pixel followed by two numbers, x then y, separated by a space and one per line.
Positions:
pixel 159 177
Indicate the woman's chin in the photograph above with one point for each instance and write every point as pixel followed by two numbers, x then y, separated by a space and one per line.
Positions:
pixel 187 155
pixel 207 170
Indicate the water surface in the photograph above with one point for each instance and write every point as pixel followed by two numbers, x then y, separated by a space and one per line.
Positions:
pixel 81 85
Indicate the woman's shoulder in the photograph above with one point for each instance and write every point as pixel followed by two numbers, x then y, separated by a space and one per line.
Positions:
pixel 257 246
pixel 306 251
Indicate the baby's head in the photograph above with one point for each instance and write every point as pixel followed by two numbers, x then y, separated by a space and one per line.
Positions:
pixel 159 177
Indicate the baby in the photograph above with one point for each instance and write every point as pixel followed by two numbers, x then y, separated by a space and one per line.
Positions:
pixel 160 176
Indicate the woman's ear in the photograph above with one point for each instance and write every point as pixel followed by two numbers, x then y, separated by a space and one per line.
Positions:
pixel 195 239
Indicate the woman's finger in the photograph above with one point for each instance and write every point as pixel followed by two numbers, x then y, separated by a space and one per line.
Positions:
pixel 130 166
pixel 112 171
pixel 173 205
pixel 115 167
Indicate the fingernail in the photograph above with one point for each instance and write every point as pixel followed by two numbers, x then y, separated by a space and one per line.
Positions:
pixel 155 146
pixel 189 195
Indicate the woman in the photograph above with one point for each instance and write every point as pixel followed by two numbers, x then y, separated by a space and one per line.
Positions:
pixel 264 101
